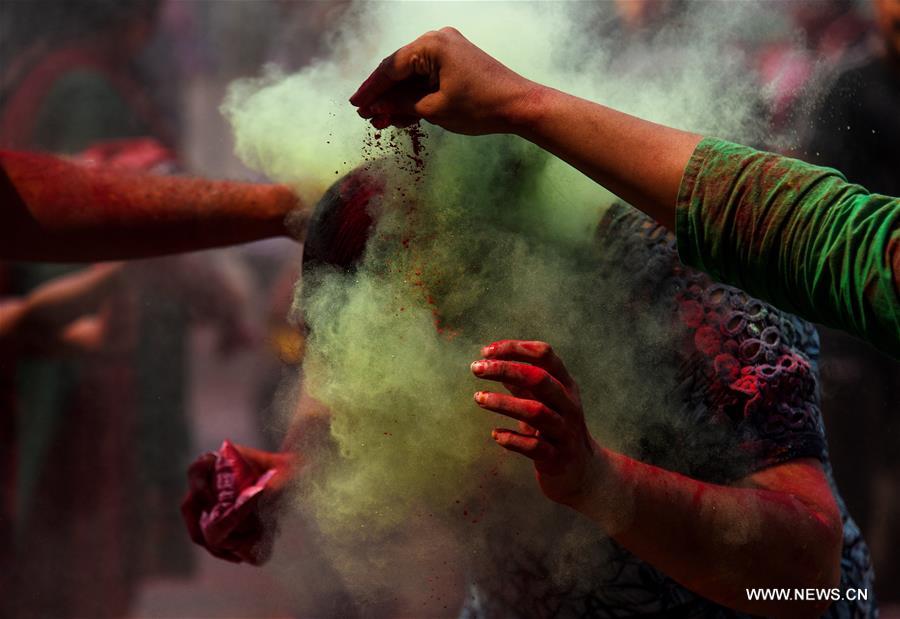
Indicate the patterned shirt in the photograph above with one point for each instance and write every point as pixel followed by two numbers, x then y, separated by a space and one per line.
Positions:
pixel 746 397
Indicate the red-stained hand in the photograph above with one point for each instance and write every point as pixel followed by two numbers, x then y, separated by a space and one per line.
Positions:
pixel 545 402
pixel 445 79
pixel 232 499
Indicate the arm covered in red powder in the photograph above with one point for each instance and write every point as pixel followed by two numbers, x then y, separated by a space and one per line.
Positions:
pixel 779 527
pixel 55 210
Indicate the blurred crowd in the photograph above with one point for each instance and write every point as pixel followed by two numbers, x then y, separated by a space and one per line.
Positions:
pixel 98 424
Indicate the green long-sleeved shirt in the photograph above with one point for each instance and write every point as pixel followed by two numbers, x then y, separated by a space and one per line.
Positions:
pixel 795 234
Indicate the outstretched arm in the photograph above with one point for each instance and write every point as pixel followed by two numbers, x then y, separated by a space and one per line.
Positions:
pixel 447 80
pixel 55 316
pixel 56 210
pixel 797 235
pixel 777 528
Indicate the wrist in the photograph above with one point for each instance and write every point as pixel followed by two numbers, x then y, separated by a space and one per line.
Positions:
pixel 526 109
pixel 286 217
pixel 604 499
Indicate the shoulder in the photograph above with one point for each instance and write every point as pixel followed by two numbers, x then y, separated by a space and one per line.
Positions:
pixel 745 368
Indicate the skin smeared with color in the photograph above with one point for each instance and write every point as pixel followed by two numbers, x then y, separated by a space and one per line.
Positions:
pixel 55 209
pixel 680 525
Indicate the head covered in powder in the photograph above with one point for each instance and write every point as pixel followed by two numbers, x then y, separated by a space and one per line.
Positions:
pixel 342 222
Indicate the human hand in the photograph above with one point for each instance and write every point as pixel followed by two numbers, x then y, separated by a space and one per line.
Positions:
pixel 448 81
pixel 132 154
pixel 545 401
pixel 231 501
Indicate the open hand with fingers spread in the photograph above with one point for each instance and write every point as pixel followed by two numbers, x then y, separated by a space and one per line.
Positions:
pixel 445 79
pixel 544 399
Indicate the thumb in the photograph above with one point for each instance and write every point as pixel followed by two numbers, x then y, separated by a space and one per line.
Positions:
pixel 430 105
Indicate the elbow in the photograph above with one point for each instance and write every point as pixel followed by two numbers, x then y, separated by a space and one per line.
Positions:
pixel 813 570
pixel 821 554
pixel 828 528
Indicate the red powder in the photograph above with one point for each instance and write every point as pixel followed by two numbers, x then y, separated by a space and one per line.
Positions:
pixel 691 313
pixel 708 340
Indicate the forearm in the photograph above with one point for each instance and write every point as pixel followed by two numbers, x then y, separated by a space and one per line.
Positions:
pixel 640 161
pixel 715 540
pixel 53 209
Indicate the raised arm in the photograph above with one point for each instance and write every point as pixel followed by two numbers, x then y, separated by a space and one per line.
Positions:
pixel 56 210
pixel 444 79
pixel 799 236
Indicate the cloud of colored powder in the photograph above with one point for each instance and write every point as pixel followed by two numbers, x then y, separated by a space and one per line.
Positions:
pixel 490 239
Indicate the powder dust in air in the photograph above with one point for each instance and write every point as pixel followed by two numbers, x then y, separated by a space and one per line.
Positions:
pixel 476 239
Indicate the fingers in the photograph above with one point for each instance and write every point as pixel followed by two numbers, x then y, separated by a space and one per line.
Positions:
pixel 542 386
pixel 530 446
pixel 385 75
pixel 415 58
pixel 224 536
pixel 534 414
pixel 536 353
pixel 191 510
pixel 201 478
pixel 221 528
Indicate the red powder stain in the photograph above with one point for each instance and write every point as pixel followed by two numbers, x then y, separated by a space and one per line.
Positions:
pixel 748 384
pixel 691 313
pixel 698 496
pixel 708 341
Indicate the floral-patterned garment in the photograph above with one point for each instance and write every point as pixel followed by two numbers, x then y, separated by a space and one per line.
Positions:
pixel 746 398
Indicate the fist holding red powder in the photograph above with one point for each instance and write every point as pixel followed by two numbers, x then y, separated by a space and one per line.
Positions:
pixel 229 507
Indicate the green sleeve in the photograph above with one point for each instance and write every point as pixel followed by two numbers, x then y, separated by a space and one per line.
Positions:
pixel 797 235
